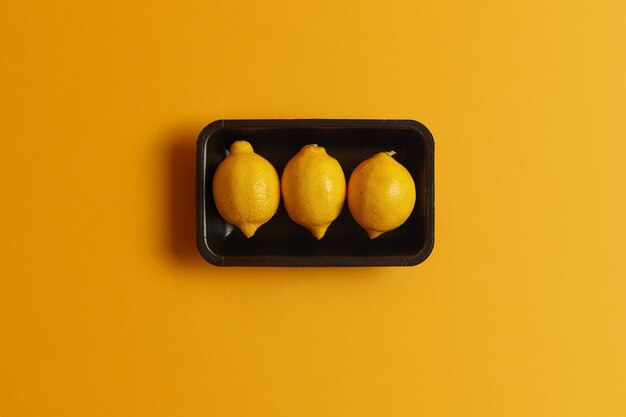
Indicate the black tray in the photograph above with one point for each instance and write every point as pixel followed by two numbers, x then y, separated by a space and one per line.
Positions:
pixel 281 242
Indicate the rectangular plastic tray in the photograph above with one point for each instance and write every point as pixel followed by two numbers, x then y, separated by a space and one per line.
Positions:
pixel 281 242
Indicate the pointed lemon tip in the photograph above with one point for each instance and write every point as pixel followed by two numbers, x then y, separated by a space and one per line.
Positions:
pixel 249 229
pixel 319 231
pixel 313 147
pixel 373 234
pixel 241 146
pixel 390 153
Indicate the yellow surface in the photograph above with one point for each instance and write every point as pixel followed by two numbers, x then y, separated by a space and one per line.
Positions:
pixel 107 310
pixel 246 188
pixel 381 194
pixel 313 188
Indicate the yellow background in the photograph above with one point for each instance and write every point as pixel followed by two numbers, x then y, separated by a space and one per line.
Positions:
pixel 106 309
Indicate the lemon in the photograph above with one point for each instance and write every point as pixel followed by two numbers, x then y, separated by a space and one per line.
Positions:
pixel 314 189
pixel 246 188
pixel 381 194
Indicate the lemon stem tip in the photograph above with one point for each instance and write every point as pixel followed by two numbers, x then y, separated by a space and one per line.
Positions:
pixel 319 232
pixel 241 146
pixel 249 229
pixel 373 234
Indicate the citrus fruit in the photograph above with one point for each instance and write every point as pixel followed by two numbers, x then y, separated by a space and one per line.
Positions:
pixel 314 189
pixel 246 188
pixel 381 194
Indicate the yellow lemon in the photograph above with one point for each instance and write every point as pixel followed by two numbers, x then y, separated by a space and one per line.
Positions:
pixel 381 194
pixel 246 188
pixel 314 189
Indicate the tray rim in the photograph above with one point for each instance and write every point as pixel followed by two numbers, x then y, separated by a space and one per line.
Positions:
pixel 313 260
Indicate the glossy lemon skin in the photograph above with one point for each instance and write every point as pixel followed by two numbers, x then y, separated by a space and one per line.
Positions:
pixel 314 189
pixel 381 194
pixel 246 188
